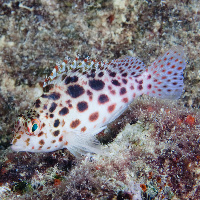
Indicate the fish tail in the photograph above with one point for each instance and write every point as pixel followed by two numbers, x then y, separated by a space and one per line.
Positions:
pixel 164 78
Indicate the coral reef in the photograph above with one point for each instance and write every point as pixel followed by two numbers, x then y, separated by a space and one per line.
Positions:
pixel 153 149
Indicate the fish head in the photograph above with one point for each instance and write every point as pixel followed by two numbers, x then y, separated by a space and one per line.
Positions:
pixel 31 135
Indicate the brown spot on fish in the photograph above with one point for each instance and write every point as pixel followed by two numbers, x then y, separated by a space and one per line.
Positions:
pixel 40 134
pixel 27 141
pixel 56 133
pixel 124 74
pixel 103 98
pixel 43 125
pixel 100 74
pixel 111 108
pixel 53 96
pixel 41 142
pixel 140 87
pixel 82 106
pixel 75 91
pixel 96 84
pixel 53 107
pixel 64 111
pixel 115 82
pixel 75 123
pixel 122 91
pixel 47 88
pixel 72 79
pixel 94 116
pixel 125 100
pixel 61 139
pixel 56 123
pixel 83 129
pixel 113 92
pixel 124 81
pixel 112 74
pixel 37 103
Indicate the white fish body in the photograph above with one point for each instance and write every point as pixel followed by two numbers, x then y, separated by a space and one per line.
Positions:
pixel 80 101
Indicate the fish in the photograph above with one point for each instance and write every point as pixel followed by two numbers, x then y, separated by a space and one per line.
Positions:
pixel 80 98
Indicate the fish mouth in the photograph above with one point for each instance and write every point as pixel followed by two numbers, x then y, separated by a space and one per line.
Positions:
pixel 16 147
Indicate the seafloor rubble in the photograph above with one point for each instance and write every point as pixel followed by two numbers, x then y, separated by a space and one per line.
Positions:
pixel 153 149
pixel 153 152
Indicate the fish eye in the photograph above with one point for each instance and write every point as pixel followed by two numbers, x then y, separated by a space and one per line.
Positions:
pixel 33 127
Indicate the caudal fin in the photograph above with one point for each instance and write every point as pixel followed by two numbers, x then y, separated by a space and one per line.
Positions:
pixel 165 75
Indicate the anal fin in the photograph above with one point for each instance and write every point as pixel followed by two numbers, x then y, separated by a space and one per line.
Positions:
pixel 82 143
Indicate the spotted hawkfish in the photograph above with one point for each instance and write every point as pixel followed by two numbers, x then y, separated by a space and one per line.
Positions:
pixel 80 98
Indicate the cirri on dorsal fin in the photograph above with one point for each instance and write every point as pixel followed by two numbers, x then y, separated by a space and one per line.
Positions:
pixel 79 66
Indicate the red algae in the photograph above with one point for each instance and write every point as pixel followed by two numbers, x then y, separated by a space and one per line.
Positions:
pixel 190 120
pixel 144 187
pixel 57 182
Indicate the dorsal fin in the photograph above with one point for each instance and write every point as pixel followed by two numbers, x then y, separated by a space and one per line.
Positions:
pixel 76 64
pixel 126 65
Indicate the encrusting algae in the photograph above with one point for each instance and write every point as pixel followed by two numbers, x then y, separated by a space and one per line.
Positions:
pixel 80 99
